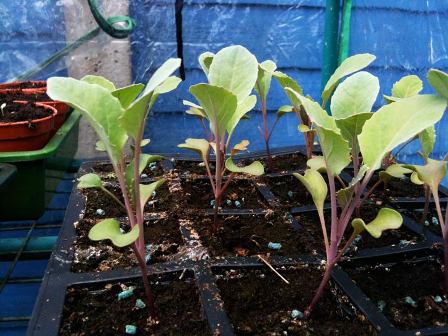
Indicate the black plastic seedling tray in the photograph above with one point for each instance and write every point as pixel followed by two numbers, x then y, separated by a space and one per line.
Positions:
pixel 199 265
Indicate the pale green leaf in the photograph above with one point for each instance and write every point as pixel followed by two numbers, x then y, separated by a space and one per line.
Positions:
pixel 205 60
pixel 235 69
pixel 396 123
pixel 351 127
pixel 200 146
pixel 98 80
pixel 407 86
pixel 265 71
pixel 97 105
pixel 394 171
pixel 89 181
pixel 427 140
pixel 242 108
pixel 287 82
pixel 146 191
pixel 415 179
pixel 126 95
pixel 439 81
pixel 161 74
pixel 431 174
pixel 145 160
pixel 316 186
pixel 255 168
pixel 304 128
pixel 344 195
pixel 283 110
pixel 348 66
pixel 144 142
pixel 386 219
pixel 240 147
pixel 355 95
pixel 110 229
pixel 317 163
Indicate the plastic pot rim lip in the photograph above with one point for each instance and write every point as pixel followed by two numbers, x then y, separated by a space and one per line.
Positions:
pixel 34 121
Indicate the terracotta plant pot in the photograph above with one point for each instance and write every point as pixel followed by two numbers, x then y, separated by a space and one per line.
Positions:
pixel 27 135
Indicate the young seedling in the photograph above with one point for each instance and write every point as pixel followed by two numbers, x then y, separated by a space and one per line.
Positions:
pixel 350 131
pixel 118 116
pixel 231 74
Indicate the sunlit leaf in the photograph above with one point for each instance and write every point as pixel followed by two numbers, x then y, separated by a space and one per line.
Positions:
pixel 205 60
pixel 439 81
pixel 386 219
pixel 200 146
pixel 316 186
pixel 255 168
pixel 265 71
pixel 128 94
pixel 99 80
pixel 89 181
pixel 110 229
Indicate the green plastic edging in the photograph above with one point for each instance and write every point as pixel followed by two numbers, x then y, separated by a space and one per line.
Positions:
pixel 51 146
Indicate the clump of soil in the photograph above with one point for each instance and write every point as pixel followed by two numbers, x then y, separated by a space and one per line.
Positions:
pixel 260 303
pixel 15 112
pixel 250 235
pixel 199 194
pixel 283 163
pixel 393 283
pixel 95 310
pixel 162 235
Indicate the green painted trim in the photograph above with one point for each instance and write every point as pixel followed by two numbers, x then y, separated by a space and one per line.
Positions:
pixel 344 39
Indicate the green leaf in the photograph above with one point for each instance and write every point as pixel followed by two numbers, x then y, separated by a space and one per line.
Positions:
pixel 234 68
pixel 287 82
pixel 89 181
pixel 345 195
pixel 427 140
pixel 316 186
pixel 351 127
pixel 317 163
pixel 394 171
pixel 99 146
pixel 265 71
pixel 386 219
pixel 200 146
pixel 146 191
pixel 407 86
pixel 334 147
pixel 431 174
pixel 242 108
pixel 110 229
pixel 126 95
pixel 255 168
pixel 439 81
pixel 355 95
pixel 98 80
pixel 348 66
pixel 283 110
pixel 219 105
pixel 396 123
pixel 162 74
pixel 205 60
pixel 97 105
pixel 240 147
pixel 415 179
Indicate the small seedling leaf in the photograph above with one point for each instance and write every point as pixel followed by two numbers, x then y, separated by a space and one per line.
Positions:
pixel 146 191
pixel 439 81
pixel 394 171
pixel 200 146
pixel 255 168
pixel 316 186
pixel 110 229
pixel 89 181
pixel 317 163
pixel 431 174
pixel 386 219
pixel 205 60
pixel 283 110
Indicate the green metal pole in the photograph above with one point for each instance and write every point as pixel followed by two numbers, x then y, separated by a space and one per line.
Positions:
pixel 330 61
pixel 345 31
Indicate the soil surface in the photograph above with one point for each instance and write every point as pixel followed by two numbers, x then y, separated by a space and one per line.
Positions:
pixel 395 188
pixel 250 235
pixel 14 112
pixel 107 174
pixel 187 168
pixel 399 237
pixel 199 194
pixel 162 235
pixel 27 85
pixel 431 222
pixel 283 163
pixel 91 310
pixel 20 95
pixel 260 303
pixel 393 283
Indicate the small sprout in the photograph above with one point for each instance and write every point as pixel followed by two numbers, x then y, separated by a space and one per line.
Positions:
pixel 130 329
pixel 100 212
pixel 274 246
pixel 143 176
pixel 381 305
pixel 297 314
pixel 410 301
pixel 126 293
pixel 438 299
pixel 2 107
pixel 229 202
pixel 238 204
pixel 139 304
pixel 290 194
pixel 434 221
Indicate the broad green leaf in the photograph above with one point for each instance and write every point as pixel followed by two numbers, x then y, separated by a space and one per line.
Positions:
pixel 317 163
pixel 287 82
pixel 439 81
pixel 283 109
pixel 431 174
pixel 351 127
pixel 146 191
pixel 99 146
pixel 98 80
pixel 427 140
pixel 200 146
pixel 255 168
pixel 348 66
pixel 407 86
pixel 316 186
pixel 205 60
pixel 396 123
pixel 394 171
pixel 355 95
pixel 97 105
pixel 126 95
pixel 89 181
pixel 240 147
pixel 386 219
pixel 334 147
pixel 170 84
pixel 235 69
pixel 110 229
pixel 242 108
pixel 162 74
pixel 265 71
pixel 219 105
pixel 415 179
